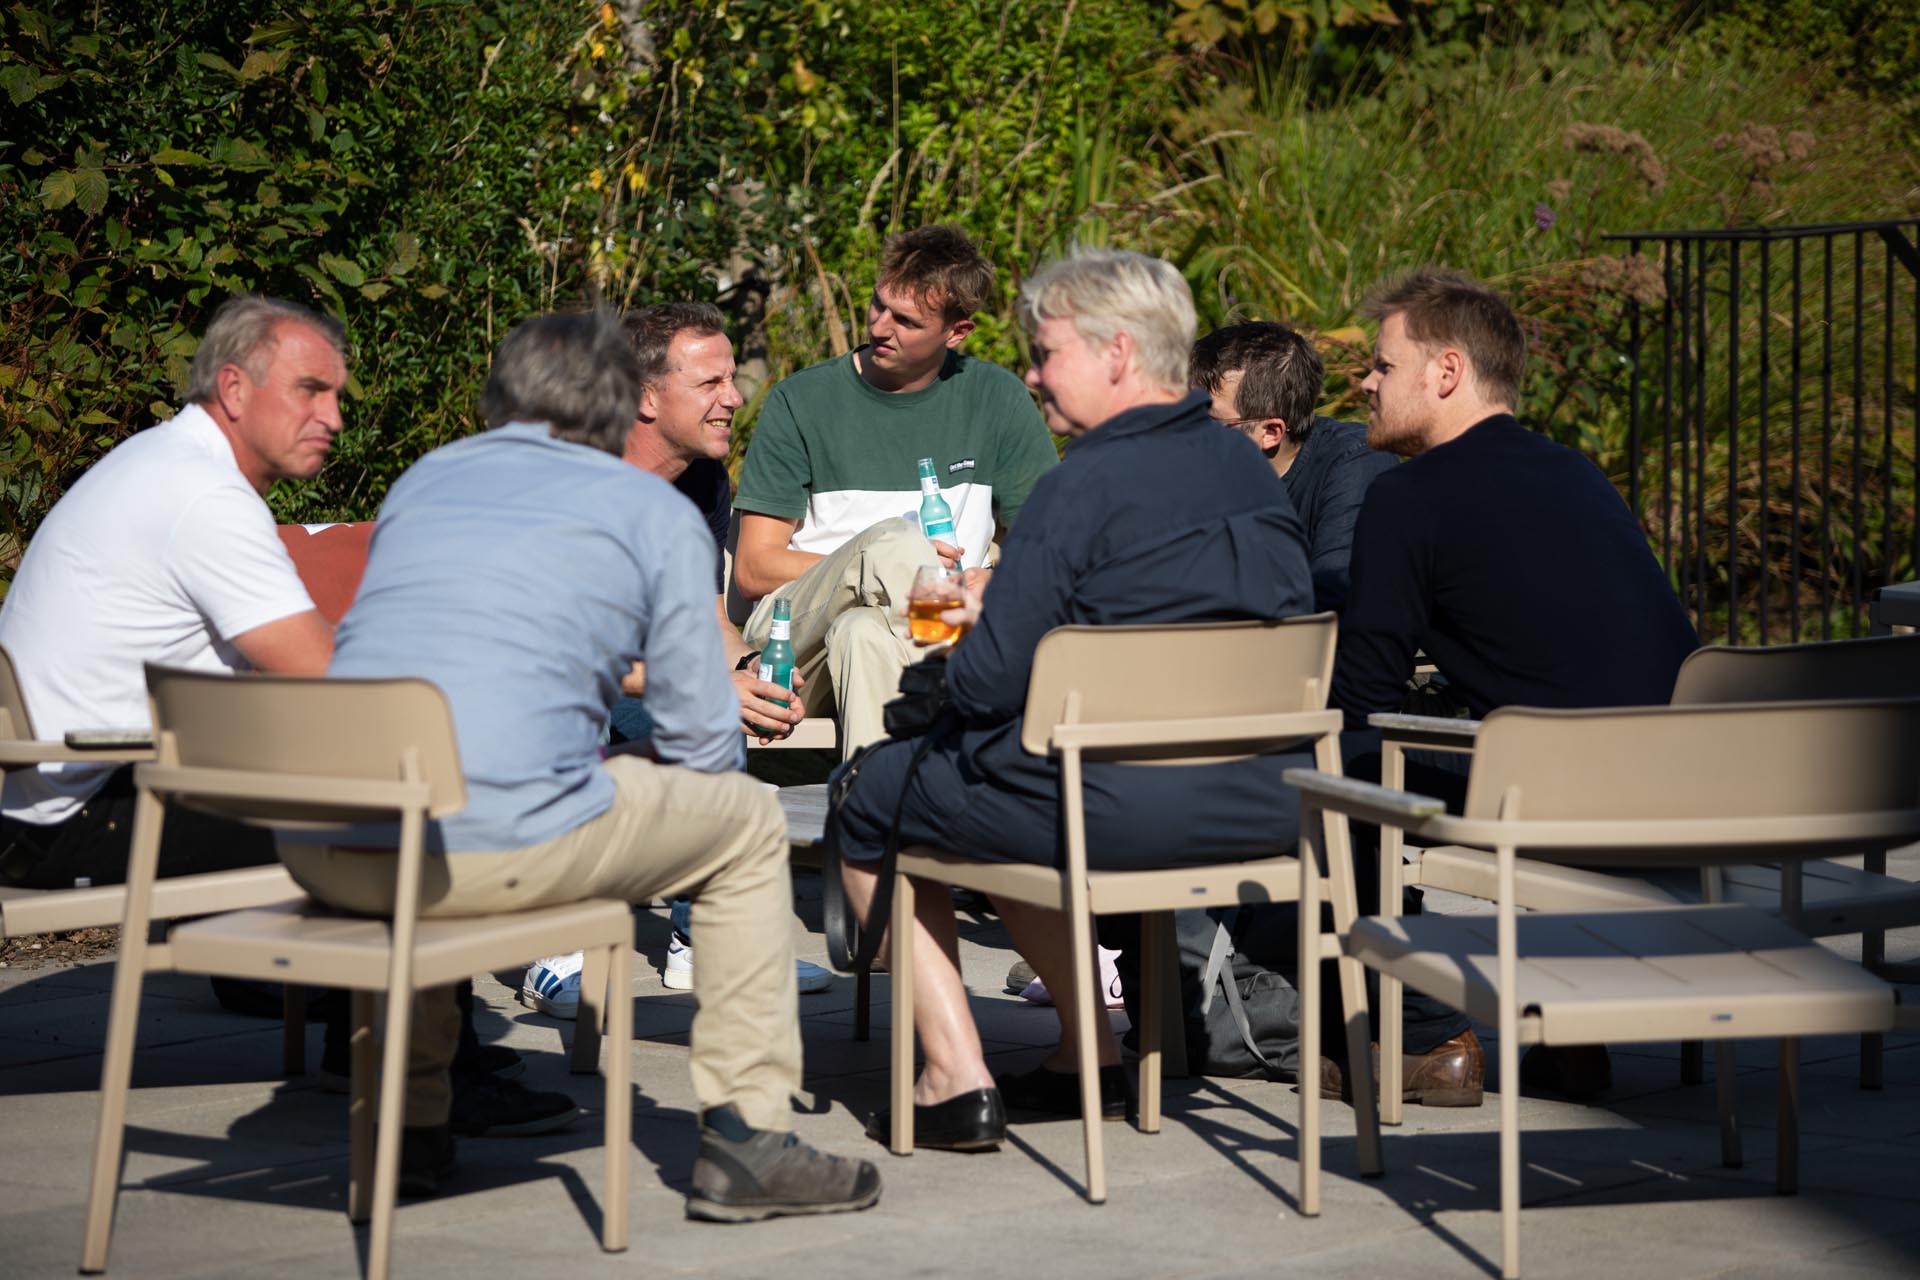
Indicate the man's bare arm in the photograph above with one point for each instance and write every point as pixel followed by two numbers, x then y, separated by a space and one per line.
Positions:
pixel 762 563
pixel 300 644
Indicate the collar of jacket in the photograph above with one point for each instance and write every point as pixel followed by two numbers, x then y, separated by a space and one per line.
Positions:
pixel 1145 417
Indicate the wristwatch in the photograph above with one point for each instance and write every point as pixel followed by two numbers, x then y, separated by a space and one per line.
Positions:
pixel 747 661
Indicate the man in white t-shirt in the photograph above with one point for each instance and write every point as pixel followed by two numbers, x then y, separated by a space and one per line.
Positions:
pixel 165 552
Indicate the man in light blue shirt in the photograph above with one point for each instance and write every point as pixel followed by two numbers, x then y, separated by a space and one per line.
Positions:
pixel 524 571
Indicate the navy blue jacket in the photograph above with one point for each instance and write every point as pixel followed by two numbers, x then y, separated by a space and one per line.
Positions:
pixel 1519 570
pixel 1327 482
pixel 1158 515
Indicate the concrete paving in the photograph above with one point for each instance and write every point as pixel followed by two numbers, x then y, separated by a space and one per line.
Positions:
pixel 233 1171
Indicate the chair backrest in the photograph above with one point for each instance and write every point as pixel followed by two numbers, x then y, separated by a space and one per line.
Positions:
pixel 308 726
pixel 1179 671
pixel 15 724
pixel 1718 763
pixel 1881 667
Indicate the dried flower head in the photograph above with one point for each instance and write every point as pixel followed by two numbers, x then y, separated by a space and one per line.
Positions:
pixel 1606 139
pixel 1632 276
pixel 1559 189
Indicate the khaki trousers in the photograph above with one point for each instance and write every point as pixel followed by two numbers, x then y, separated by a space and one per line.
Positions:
pixel 850 625
pixel 717 837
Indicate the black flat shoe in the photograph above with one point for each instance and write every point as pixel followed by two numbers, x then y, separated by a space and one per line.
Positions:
pixel 1057 1093
pixel 972 1121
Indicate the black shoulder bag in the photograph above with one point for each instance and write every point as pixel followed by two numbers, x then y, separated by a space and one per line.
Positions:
pixel 923 712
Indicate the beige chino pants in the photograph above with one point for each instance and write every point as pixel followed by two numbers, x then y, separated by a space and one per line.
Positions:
pixel 850 625
pixel 717 837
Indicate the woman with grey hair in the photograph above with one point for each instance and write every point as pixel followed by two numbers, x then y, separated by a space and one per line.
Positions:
pixel 1155 515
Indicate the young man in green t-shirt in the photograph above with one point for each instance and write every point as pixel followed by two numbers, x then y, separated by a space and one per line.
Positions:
pixel 829 493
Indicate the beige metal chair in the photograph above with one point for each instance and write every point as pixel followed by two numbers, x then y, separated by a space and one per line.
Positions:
pixel 1681 786
pixel 1826 898
pixel 24 911
pixel 1086 701
pixel 364 750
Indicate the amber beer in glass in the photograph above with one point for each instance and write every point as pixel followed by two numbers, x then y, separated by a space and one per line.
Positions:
pixel 936 589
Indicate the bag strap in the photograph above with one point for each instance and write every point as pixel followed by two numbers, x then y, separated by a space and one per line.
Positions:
pixel 850 948
pixel 1220 971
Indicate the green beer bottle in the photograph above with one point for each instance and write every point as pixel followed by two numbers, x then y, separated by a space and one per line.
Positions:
pixel 776 660
pixel 936 517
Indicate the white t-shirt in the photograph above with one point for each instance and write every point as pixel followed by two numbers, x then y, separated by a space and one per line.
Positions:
pixel 161 553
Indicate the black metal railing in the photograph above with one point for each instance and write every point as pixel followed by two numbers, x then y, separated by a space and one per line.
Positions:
pixel 1772 424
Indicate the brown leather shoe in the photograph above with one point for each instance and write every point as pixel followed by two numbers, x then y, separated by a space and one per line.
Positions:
pixel 1453 1074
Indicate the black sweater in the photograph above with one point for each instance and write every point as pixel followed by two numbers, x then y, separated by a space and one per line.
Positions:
pixel 1519 570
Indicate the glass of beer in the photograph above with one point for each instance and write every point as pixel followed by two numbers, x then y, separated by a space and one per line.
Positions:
pixel 936 589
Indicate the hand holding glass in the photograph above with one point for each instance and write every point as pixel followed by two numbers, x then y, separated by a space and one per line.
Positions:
pixel 936 591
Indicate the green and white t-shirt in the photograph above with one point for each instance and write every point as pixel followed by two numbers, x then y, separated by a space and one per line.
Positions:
pixel 839 456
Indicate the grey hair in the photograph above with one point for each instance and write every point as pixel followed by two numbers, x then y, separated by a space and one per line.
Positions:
pixel 1112 291
pixel 574 371
pixel 244 331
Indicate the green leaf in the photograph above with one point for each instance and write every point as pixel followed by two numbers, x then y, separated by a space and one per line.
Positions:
pixel 57 190
pixel 406 253
pixel 345 270
pixel 375 292
pixel 215 62
pixel 271 32
pixel 174 155
pixel 433 291
pixel 90 190
pixel 33 156
pixel 261 63
pixel 95 418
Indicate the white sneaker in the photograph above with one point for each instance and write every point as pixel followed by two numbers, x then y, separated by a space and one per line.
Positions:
pixel 552 986
pixel 1036 991
pixel 678 975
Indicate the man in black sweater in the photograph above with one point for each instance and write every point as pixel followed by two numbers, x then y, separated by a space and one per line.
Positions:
pixel 1264 379
pixel 1508 559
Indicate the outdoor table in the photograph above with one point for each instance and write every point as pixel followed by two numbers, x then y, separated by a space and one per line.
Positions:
pixel 1898 605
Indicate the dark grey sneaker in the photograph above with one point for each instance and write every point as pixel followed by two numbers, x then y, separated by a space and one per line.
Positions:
pixel 745 1175
pixel 426 1156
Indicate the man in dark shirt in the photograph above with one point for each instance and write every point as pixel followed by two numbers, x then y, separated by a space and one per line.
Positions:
pixel 1265 379
pixel 1510 560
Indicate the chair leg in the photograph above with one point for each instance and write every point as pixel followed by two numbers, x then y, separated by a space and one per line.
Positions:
pixel 116 1073
pixel 1726 1081
pixel 1153 941
pixel 863 1005
pixel 1510 1152
pixel 386 1154
pixel 596 1010
pixel 1693 1061
pixel 1309 991
pixel 1787 1159
pixel 1391 1013
pixel 619 1103
pixel 1366 1106
pixel 360 1109
pixel 1873 1073
pixel 293 1031
pixel 901 963
pixel 1873 953
pixel 1088 1005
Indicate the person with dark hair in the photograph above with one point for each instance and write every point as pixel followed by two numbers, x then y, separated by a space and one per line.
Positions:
pixel 1508 559
pixel 830 484
pixel 1265 380
pixel 681 432
pixel 605 566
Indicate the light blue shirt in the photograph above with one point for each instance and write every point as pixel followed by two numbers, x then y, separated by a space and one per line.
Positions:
pixel 524 575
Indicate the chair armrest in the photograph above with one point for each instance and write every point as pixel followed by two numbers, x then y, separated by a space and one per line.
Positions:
pixel 1367 800
pixel 1425 729
pixel 41 751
